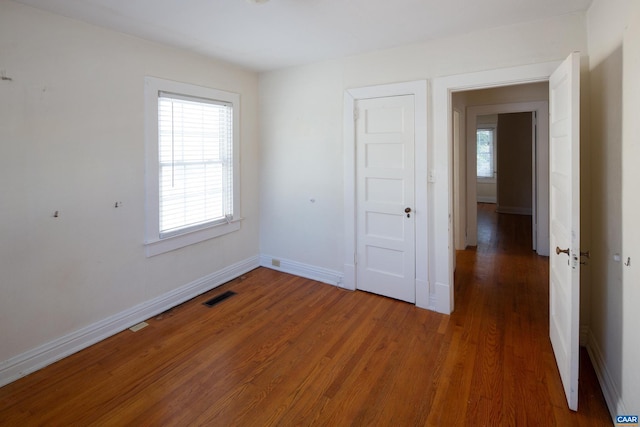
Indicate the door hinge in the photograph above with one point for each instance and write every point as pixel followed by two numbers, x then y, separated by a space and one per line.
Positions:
pixel 356 114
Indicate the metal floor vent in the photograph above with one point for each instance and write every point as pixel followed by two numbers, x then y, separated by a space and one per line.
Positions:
pixel 215 300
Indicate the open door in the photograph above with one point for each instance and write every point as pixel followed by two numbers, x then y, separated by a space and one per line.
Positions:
pixel 564 216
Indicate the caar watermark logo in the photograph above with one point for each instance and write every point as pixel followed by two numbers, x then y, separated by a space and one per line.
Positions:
pixel 627 420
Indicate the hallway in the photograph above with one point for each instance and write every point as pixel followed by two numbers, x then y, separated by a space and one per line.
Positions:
pixel 503 294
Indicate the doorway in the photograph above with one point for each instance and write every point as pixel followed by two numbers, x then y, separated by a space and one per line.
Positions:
pixel 419 212
pixel 564 164
pixel 525 98
pixel 441 250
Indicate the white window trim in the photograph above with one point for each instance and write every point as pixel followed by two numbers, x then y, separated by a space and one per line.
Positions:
pixel 493 127
pixel 154 245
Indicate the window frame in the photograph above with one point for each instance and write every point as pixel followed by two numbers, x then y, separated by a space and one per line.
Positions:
pixel 494 154
pixel 156 244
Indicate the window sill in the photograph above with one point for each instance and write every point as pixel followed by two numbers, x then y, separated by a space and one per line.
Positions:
pixel 168 244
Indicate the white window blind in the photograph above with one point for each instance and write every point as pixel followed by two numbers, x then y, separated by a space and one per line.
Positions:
pixel 485 153
pixel 195 139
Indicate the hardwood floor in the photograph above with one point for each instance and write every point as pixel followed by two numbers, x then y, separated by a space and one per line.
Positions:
pixel 290 351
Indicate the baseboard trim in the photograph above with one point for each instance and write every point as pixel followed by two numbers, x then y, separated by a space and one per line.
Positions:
pixel 611 394
pixel 441 300
pixel 481 199
pixel 423 295
pixel 584 335
pixel 349 279
pixel 514 210
pixel 307 271
pixel 46 354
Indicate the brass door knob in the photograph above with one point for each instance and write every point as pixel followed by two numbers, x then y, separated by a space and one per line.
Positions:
pixel 562 251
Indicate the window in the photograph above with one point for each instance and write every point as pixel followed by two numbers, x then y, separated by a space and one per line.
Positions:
pixel 196 162
pixel 192 164
pixel 485 139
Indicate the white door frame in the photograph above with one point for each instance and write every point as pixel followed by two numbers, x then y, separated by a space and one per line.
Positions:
pixel 459 183
pixel 540 170
pixel 419 90
pixel 443 251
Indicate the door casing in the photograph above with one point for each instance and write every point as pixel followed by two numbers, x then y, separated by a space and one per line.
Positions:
pixel 441 155
pixel 418 88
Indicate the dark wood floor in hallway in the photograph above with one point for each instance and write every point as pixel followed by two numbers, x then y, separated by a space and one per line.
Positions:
pixel 290 351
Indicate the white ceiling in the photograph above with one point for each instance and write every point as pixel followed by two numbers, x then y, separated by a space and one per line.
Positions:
pixel 282 33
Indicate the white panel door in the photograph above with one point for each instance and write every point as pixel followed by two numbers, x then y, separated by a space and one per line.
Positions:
pixel 564 215
pixel 385 196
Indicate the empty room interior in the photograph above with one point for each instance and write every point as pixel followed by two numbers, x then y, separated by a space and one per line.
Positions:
pixel 313 212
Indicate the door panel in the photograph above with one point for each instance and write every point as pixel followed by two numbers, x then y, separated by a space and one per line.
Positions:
pixel 564 215
pixel 385 188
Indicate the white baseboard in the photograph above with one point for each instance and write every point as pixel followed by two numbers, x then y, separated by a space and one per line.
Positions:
pixel 441 300
pixel 349 280
pixel 46 354
pixel 423 294
pixel 307 271
pixel 584 335
pixel 484 199
pixel 611 393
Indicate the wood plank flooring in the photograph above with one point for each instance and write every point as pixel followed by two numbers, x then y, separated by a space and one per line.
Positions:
pixel 289 351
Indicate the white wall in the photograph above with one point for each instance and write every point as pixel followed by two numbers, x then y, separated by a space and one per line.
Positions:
pixel 301 159
pixel 508 94
pixel 72 140
pixel 614 339
pixel 486 192
pixel 301 141
pixel 514 160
